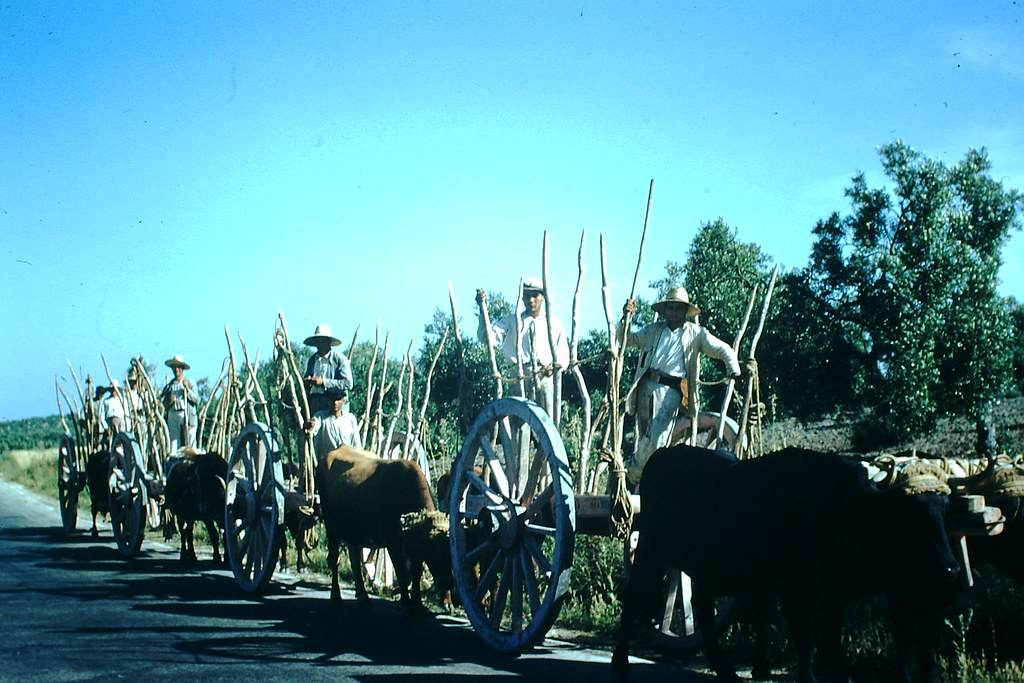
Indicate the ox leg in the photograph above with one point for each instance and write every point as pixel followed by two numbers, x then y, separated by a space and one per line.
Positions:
pixel 760 610
pixel 830 643
pixel 704 614
pixel 913 636
pixel 401 564
pixel 333 557
pixel 642 593
pixel 188 548
pixel 802 628
pixel 355 559
pixel 211 531
pixel 282 543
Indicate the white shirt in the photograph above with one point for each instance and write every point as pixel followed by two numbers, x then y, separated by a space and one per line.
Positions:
pixel 535 329
pixel 331 432
pixel 668 356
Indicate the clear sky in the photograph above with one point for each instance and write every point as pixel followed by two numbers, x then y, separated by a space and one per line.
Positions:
pixel 169 168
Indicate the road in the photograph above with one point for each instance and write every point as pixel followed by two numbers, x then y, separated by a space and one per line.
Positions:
pixel 73 609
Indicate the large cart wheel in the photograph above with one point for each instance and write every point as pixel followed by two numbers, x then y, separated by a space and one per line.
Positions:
pixel 254 509
pixel 68 483
pixel 707 431
pixel 128 493
pixel 513 519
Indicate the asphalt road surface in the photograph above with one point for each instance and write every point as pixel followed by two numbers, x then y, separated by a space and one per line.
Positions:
pixel 72 609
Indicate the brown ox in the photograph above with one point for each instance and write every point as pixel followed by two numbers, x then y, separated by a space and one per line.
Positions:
pixel 364 500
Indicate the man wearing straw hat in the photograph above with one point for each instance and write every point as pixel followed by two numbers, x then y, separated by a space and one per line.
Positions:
pixel 327 369
pixel 668 373
pixel 533 343
pixel 180 399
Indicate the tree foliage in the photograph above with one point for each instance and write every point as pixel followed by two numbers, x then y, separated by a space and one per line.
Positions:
pixel 908 281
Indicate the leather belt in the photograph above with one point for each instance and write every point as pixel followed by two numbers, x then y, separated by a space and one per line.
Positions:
pixel 662 378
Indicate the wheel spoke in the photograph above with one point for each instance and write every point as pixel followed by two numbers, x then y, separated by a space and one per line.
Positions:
pixel 497 474
pixel 538 555
pixel 515 570
pixel 511 456
pixel 540 502
pixel 488 578
pixel 530 580
pixel 481 486
pixel 488 545
pixel 501 595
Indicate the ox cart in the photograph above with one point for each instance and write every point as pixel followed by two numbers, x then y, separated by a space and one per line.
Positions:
pixel 131 480
pixel 271 466
pixel 127 469
pixel 516 506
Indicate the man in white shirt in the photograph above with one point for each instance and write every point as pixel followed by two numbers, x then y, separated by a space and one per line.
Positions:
pixel 668 373
pixel 533 346
pixel 339 427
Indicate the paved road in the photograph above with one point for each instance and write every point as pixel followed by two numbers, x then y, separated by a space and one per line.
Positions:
pixel 72 609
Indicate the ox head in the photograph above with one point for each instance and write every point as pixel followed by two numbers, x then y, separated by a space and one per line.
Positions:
pixel 919 500
pixel 425 539
pixel 1001 482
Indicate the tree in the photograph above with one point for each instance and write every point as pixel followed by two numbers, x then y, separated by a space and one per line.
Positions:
pixel 910 280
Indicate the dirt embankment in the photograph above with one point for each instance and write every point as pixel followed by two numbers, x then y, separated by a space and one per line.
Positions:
pixel 951 437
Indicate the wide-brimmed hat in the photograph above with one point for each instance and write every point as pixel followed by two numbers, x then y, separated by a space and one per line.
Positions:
pixel 533 284
pixel 677 295
pixel 321 332
pixel 334 393
pixel 177 362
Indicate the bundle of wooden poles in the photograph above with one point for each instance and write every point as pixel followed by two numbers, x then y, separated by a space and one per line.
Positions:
pixel 605 426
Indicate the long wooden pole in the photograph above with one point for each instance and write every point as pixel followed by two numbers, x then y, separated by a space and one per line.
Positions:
pixel 753 350
pixel 731 384
pixel 486 315
pixel 577 374
pixel 556 368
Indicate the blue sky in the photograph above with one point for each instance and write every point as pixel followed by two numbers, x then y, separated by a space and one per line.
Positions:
pixel 167 169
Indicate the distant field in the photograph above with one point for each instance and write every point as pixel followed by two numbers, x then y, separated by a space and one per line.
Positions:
pixel 36 469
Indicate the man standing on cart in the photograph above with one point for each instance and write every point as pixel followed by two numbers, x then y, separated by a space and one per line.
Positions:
pixel 533 343
pixel 180 399
pixel 668 373
pixel 327 369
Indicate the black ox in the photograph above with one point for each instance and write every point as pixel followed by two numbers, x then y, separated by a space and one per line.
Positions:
pixel 195 492
pixel 803 526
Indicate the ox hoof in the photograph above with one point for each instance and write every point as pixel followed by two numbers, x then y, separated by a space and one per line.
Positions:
pixel 418 611
pixel 620 666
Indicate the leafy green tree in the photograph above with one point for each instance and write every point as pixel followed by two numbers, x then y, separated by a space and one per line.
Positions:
pixel 1016 313
pixel 910 278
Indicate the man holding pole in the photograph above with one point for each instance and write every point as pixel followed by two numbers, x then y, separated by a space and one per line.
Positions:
pixel 180 399
pixel 327 370
pixel 668 373
pixel 530 351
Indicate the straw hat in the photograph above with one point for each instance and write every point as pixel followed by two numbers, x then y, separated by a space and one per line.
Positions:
pixel 321 332
pixel 177 362
pixel 677 295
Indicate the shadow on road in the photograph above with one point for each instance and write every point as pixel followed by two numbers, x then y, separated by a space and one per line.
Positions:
pixel 219 625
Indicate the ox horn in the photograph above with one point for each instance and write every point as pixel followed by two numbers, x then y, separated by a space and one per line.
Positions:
pixel 885 463
pixel 974 481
